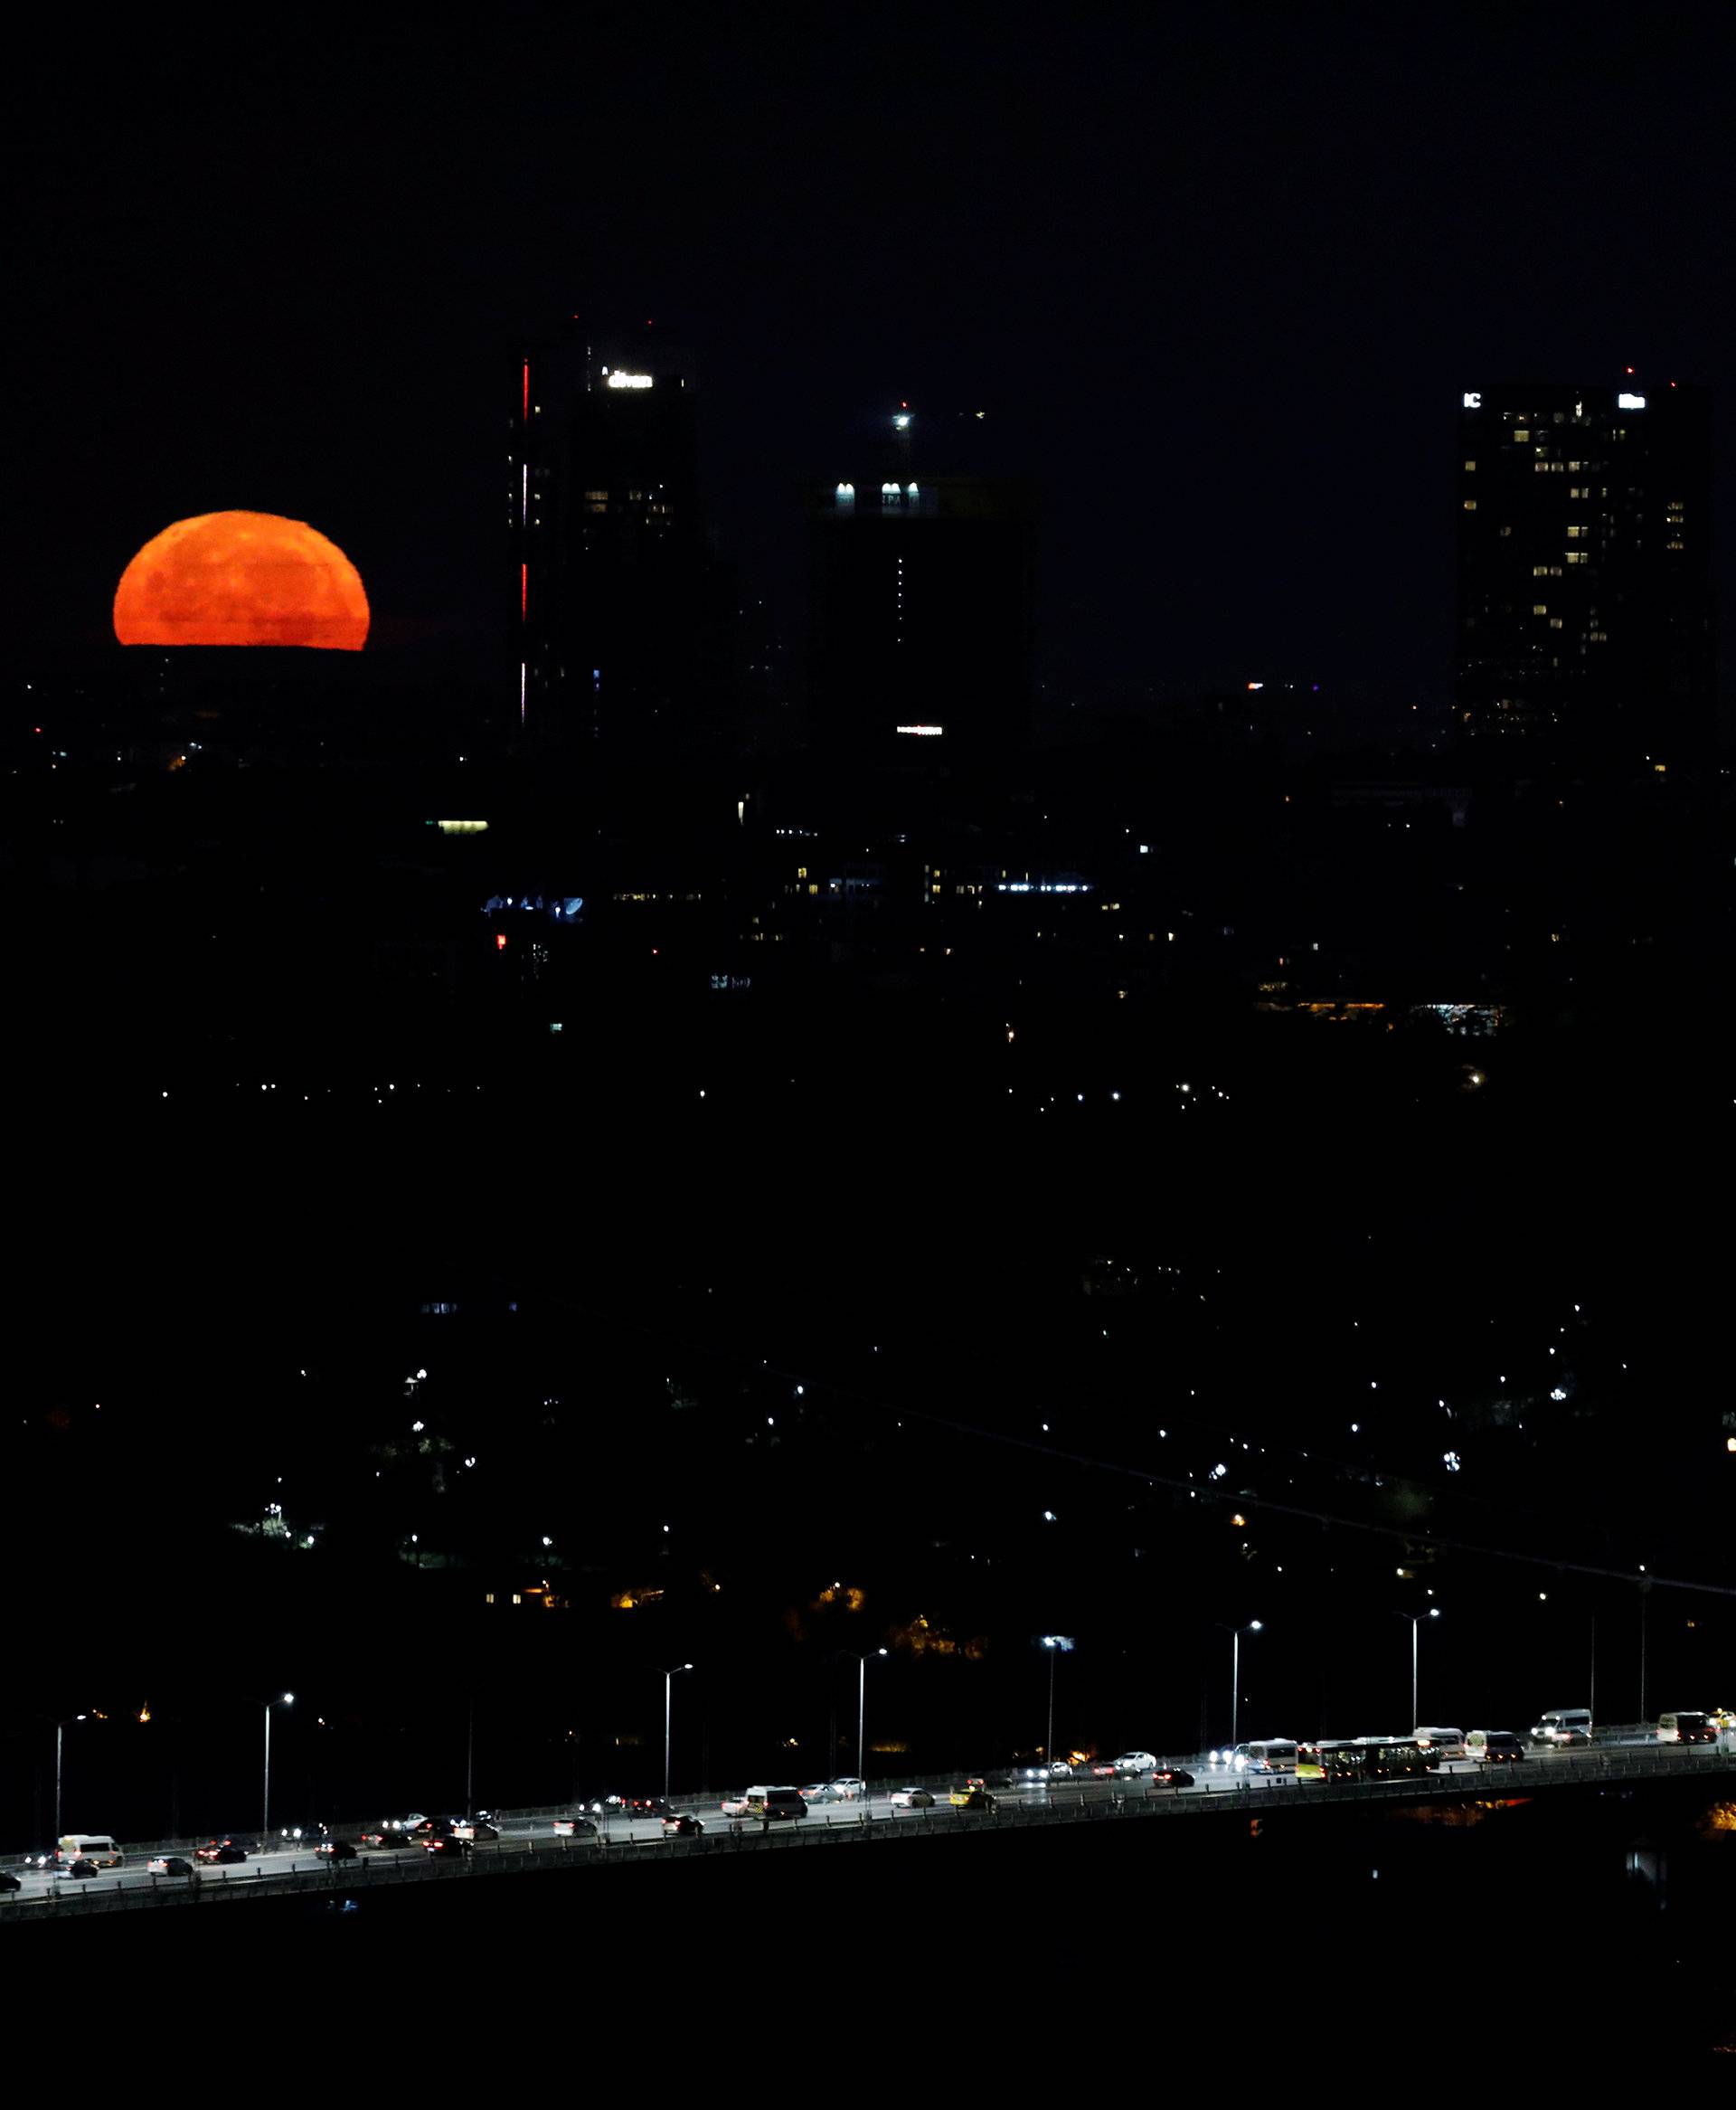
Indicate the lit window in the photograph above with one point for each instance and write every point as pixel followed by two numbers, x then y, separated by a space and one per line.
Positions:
pixel 1573 532
pixel 1505 531
pixel 1470 465
pixel 1470 505
pixel 1555 622
pixel 596 497
pixel 1578 556
pixel 1522 435
pixel 1674 545
pixel 1540 607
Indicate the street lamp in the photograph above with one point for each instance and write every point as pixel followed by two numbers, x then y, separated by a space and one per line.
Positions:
pixel 1235 1633
pixel 1416 1619
pixel 1057 1645
pixel 669 1678
pixel 862 1714
pixel 60 1732
pixel 278 1699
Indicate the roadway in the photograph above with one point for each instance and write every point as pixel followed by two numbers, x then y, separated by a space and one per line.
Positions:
pixel 517 1832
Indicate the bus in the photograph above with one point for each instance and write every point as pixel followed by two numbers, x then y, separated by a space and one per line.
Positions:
pixel 1326 1760
pixel 1358 1758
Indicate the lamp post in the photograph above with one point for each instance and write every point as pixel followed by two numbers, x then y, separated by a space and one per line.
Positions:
pixel 277 1700
pixel 60 1733
pixel 862 1715
pixel 1057 1645
pixel 669 1678
pixel 1416 1619
pixel 1235 1633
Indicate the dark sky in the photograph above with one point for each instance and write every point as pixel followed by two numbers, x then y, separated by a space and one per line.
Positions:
pixel 1218 274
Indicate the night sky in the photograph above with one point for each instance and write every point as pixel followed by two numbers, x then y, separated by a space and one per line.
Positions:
pixel 1218 278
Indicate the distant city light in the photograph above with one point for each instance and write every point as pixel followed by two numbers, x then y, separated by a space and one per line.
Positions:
pixel 922 732
pixel 1627 402
pixel 902 421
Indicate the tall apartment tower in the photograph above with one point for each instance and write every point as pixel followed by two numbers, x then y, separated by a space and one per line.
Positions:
pixel 614 588
pixel 1585 620
pixel 923 618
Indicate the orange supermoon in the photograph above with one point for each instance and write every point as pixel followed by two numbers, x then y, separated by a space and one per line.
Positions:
pixel 242 578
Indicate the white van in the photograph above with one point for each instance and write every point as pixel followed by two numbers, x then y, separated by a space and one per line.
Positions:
pixel 97 1847
pixel 766 1802
pixel 1494 1747
pixel 1271 1755
pixel 1564 1725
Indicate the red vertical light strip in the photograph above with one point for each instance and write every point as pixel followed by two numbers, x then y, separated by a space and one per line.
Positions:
pixel 527 392
pixel 524 593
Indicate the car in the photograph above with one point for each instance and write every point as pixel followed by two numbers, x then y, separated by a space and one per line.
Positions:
pixel 1052 1769
pixel 476 1828
pixel 169 1864
pixel 818 1790
pixel 336 1850
pixel 447 1843
pixel 644 1806
pixel 80 1869
pixel 848 1787
pixel 911 1799
pixel 220 1849
pixel 973 1795
pixel 8 1881
pixel 1135 1762
pixel 301 1838
pixel 575 1828
pixel 682 1825
pixel 1495 1746
pixel 1102 1769
pixel 1172 1776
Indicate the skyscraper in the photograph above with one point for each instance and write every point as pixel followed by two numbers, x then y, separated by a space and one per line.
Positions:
pixel 1584 521
pixel 613 583
pixel 923 606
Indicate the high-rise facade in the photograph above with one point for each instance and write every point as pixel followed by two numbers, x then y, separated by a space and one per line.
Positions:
pixel 614 588
pixel 923 617
pixel 1585 629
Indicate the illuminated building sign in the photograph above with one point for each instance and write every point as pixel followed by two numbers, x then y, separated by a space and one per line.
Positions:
pixel 622 380
pixel 461 827
pixel 1624 402
pixel 923 731
pixel 1472 399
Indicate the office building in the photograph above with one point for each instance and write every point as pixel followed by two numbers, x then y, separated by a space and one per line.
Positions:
pixel 617 600
pixel 923 609
pixel 1585 632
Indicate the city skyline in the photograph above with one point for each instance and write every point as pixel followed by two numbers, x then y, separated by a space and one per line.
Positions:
pixel 1167 422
